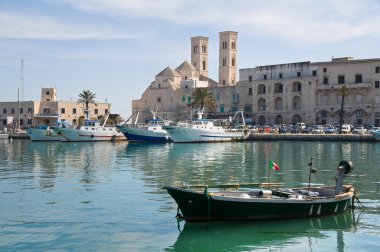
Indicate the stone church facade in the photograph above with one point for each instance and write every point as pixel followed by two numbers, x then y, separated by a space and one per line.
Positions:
pixel 307 92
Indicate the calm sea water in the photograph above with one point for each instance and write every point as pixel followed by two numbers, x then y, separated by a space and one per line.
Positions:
pixel 109 196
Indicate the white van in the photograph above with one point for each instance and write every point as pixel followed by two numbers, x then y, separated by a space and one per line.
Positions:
pixel 346 128
pixel 301 125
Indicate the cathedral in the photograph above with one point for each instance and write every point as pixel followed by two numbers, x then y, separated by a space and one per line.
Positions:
pixel 309 92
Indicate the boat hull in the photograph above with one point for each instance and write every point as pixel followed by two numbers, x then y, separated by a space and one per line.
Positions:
pixel 77 135
pixel 37 134
pixel 376 135
pixel 181 134
pixel 143 135
pixel 197 206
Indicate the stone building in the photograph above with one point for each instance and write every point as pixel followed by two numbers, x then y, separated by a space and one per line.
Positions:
pixel 46 111
pixel 308 92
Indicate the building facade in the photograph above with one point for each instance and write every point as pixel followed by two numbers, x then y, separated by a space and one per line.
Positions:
pixel 309 92
pixel 47 111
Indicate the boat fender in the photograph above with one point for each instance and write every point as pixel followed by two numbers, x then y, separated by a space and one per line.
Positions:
pixel 346 165
pixel 265 193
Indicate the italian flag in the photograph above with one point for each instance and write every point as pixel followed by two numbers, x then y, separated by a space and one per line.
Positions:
pixel 273 166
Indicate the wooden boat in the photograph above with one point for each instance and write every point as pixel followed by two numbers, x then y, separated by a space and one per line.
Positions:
pixel 260 204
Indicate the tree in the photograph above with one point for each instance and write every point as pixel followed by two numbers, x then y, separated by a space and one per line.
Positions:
pixel 86 97
pixel 344 92
pixel 202 99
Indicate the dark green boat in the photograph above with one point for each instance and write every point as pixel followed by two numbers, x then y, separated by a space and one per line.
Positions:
pixel 265 204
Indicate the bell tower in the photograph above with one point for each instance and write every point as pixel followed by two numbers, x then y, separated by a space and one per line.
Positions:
pixel 228 58
pixel 199 54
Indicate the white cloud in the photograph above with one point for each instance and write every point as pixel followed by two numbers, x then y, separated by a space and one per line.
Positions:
pixel 325 21
pixel 34 26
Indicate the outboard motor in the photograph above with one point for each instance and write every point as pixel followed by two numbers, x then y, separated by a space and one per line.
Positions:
pixel 344 167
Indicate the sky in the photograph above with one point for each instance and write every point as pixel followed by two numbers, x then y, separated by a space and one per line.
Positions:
pixel 115 48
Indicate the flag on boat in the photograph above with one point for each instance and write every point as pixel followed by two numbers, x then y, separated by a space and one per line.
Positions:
pixel 273 166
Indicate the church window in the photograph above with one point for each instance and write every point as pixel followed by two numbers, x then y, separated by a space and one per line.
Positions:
pixel 204 50
pixel 233 62
pixel 233 45
pixel 204 65
pixel 195 49
pixel 224 62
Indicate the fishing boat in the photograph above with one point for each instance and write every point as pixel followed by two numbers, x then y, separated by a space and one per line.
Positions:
pixel 204 130
pixel 46 132
pixel 260 204
pixel 90 131
pixel 4 136
pixel 376 134
pixel 151 131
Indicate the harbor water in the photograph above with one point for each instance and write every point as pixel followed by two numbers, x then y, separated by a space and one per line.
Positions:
pixel 108 196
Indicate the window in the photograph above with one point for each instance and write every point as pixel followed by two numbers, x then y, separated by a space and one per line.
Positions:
pixel 280 75
pixel 324 69
pixel 224 62
pixel 46 111
pixel 297 87
pixel 4 110
pixel 222 108
pixel 261 89
pixel 4 121
pixel 30 110
pixel 21 111
pixel 74 110
pixel 183 98
pixel 233 45
pixel 195 50
pixel 21 121
pixel 377 84
pixel 233 62
pixel 96 111
pixel 314 73
pixel 265 76
pixel 13 111
pixel 189 99
pixel 377 70
pixel 341 79
pixel 204 49
pixel 298 74
pixel 326 80
pixel 358 78
pixel 47 93
pixel 29 121
pixel 250 78
pixel 250 91
pixel 106 111
pixel 204 65
pixel 278 88
pixel 63 110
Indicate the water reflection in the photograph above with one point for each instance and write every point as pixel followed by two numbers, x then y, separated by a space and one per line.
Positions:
pixel 297 235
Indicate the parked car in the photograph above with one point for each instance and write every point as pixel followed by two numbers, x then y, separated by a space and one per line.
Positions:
pixel 346 128
pixel 331 130
pixel 283 128
pixel 359 130
pixel 317 129
pixel 307 129
pixel 295 129
pixel 254 129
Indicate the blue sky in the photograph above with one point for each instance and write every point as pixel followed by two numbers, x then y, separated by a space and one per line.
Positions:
pixel 116 47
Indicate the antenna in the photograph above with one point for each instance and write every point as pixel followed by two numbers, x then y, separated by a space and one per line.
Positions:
pixel 22 80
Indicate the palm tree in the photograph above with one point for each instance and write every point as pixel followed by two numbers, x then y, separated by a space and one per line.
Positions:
pixel 86 97
pixel 344 92
pixel 203 99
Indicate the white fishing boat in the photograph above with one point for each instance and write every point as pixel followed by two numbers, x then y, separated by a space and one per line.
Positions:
pixel 90 131
pixel 46 132
pixel 376 134
pixel 4 136
pixel 151 131
pixel 204 130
